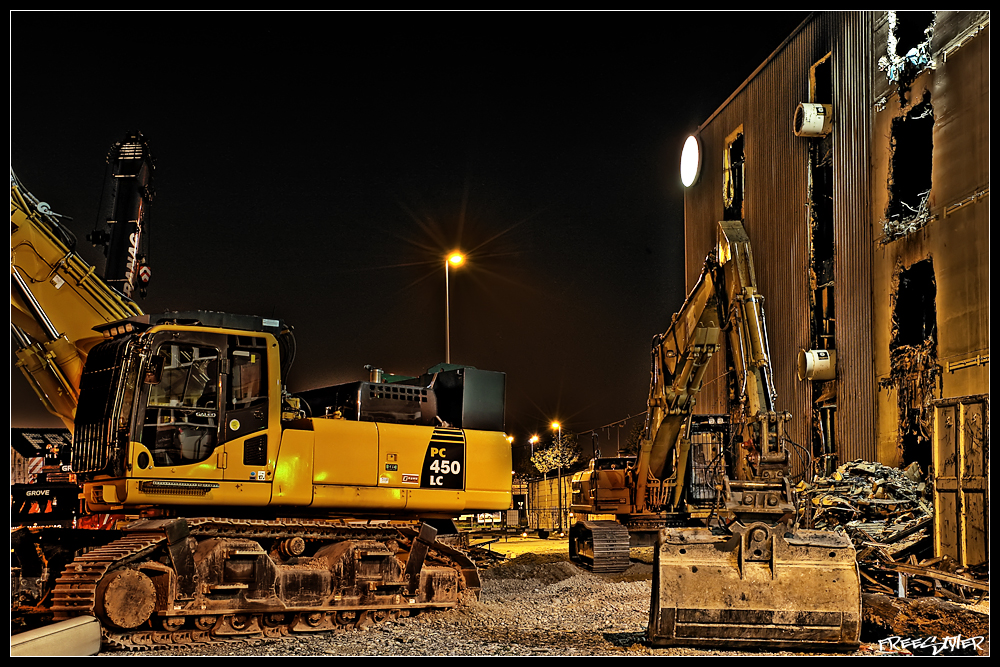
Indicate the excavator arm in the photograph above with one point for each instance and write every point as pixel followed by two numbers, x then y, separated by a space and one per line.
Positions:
pixel 759 580
pixel 764 582
pixel 679 359
pixel 758 487
pixel 56 301
pixel 725 299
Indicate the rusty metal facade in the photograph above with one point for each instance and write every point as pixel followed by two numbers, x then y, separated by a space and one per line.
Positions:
pixel 854 69
pixel 954 232
pixel 776 216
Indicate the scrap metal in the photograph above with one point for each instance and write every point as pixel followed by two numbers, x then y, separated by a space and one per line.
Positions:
pixel 888 515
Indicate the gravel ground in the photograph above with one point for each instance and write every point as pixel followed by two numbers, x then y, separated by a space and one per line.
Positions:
pixel 530 605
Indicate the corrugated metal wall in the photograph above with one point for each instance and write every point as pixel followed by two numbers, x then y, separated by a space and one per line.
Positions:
pixel 776 216
pixel 854 71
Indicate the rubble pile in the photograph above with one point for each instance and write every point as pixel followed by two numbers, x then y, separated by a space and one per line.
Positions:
pixel 879 507
pixel 887 513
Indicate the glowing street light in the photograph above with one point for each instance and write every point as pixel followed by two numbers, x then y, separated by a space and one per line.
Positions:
pixel 557 427
pixel 531 441
pixel 455 259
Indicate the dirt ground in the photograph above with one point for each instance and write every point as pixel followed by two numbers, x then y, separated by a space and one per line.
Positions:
pixel 535 602
pixel 918 617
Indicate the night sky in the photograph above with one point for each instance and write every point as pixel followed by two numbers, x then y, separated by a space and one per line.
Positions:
pixel 316 167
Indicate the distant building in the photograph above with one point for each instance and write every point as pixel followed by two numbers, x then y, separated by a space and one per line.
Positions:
pixel 857 157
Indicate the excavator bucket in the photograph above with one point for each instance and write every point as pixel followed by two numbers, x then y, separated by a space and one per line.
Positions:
pixel 760 587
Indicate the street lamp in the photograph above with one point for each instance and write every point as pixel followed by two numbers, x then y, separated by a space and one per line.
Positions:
pixel 455 259
pixel 559 483
pixel 532 440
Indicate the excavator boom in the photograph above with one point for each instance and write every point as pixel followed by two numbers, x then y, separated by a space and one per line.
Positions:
pixel 763 582
pixel 56 301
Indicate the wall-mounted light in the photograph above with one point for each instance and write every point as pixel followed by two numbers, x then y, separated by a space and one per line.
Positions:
pixel 690 161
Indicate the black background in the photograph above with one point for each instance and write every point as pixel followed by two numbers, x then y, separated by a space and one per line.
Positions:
pixel 316 167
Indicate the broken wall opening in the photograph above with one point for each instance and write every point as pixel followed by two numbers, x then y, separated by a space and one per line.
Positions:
pixel 821 269
pixel 915 317
pixel 910 31
pixel 911 152
pixel 914 370
pixel 733 162
pixel 908 48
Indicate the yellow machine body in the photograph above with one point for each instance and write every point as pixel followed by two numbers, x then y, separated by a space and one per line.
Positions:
pixel 304 466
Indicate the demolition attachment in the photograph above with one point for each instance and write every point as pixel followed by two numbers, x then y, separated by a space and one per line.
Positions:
pixel 759 587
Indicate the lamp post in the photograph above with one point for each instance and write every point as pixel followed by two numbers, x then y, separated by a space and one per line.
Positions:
pixel 559 453
pixel 455 259
pixel 532 440
pixel 513 478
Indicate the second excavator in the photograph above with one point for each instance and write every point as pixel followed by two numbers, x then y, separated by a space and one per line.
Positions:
pixel 733 565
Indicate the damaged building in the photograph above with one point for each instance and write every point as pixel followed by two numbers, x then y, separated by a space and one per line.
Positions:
pixel 857 158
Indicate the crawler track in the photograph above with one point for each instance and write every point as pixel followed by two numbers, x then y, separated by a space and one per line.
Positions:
pixel 600 546
pixel 211 580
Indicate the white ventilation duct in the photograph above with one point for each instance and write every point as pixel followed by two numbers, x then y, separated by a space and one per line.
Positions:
pixel 813 120
pixel 817 364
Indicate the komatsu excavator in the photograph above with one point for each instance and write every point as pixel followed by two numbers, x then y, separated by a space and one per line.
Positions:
pixel 243 511
pixel 758 579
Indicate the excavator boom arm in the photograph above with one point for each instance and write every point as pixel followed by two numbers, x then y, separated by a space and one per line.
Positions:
pixel 56 301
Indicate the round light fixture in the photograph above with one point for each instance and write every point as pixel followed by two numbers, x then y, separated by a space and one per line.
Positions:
pixel 690 161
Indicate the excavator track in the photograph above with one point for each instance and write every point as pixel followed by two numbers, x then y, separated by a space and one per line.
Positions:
pixel 75 590
pixel 600 546
pixel 209 580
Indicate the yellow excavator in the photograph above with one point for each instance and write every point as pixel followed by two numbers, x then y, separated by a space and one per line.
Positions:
pixel 241 511
pixel 733 568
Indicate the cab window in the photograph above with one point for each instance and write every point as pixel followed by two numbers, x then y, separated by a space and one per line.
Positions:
pixel 248 384
pixel 181 420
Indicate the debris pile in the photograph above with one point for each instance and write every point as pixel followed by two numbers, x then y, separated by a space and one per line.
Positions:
pixel 878 506
pixel 887 513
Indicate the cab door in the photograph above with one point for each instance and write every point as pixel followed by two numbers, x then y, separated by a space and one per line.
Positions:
pixel 246 410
